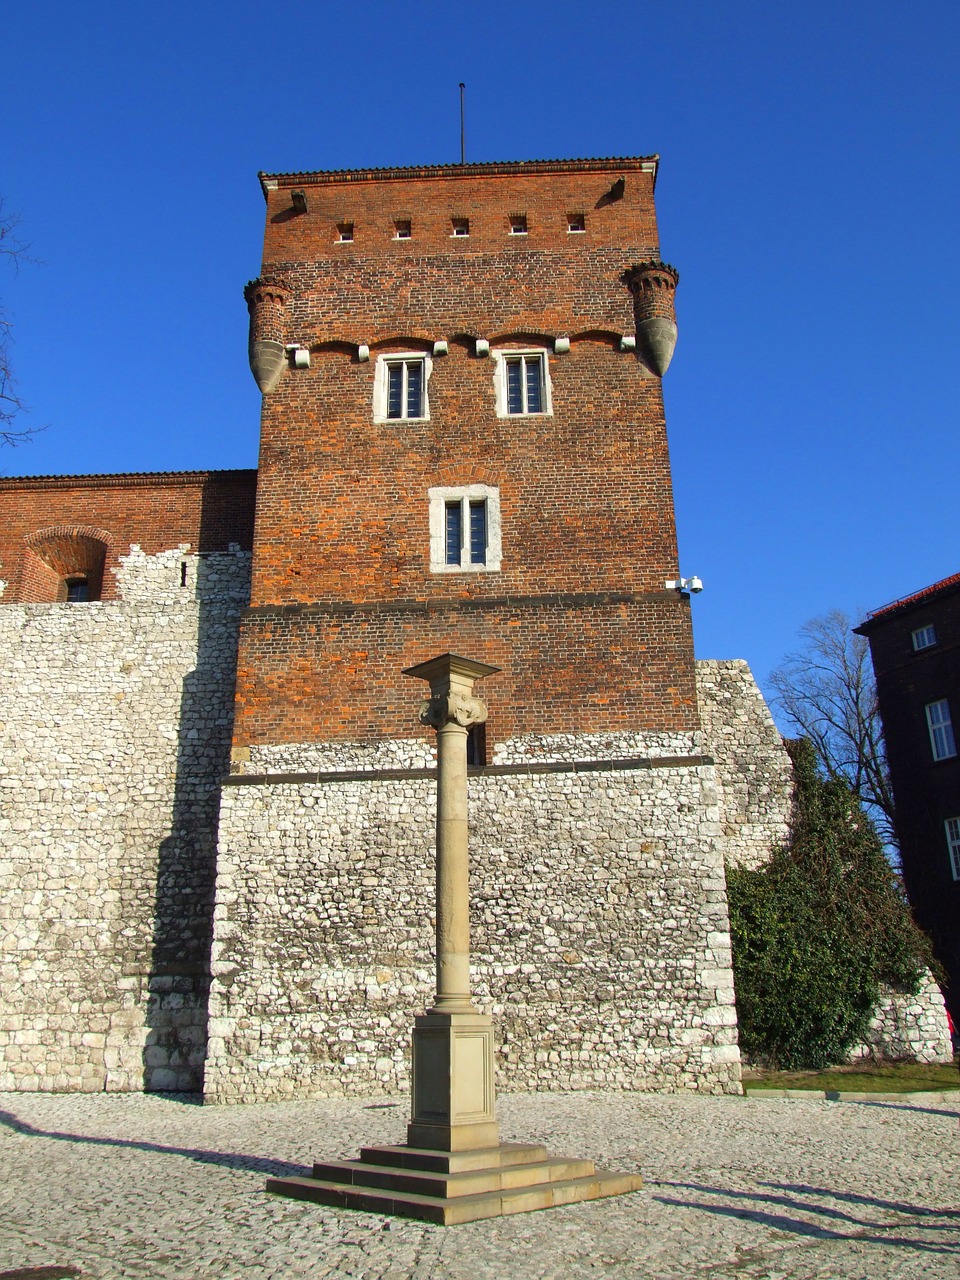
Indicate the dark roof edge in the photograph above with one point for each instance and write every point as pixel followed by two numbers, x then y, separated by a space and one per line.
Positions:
pixel 944 587
pixel 121 480
pixel 492 169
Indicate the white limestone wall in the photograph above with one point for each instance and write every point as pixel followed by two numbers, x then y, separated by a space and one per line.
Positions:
pixel 600 933
pixel 754 774
pixel 912 1027
pixel 755 795
pixel 115 721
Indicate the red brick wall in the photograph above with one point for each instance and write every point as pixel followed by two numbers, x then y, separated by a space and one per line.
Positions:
pixel 206 509
pixel 342 515
pixel 585 664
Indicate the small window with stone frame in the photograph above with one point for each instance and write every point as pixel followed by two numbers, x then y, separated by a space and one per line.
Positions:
pixel 465 530
pixel 400 387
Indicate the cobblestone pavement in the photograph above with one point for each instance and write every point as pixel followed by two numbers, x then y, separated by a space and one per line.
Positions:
pixel 103 1186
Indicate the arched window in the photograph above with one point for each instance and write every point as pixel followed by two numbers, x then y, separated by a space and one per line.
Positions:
pixel 69 561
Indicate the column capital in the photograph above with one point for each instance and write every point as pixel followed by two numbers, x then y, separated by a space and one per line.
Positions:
pixel 452 708
pixel 451 698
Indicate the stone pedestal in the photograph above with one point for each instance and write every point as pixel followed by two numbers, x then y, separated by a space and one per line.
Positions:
pixel 453 1097
pixel 454 1167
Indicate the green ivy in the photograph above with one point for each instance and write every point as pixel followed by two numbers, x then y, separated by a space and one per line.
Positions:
pixel 818 929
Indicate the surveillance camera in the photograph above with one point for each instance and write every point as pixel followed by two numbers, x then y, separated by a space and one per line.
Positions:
pixel 694 584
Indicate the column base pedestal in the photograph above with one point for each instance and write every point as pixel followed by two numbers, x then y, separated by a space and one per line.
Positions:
pixel 448 1187
pixel 453 1093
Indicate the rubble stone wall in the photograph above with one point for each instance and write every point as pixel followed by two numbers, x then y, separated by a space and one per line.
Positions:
pixel 755 796
pixel 600 933
pixel 115 724
pixel 754 774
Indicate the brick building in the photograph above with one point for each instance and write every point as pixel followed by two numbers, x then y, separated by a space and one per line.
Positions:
pixel 473 456
pixel 914 645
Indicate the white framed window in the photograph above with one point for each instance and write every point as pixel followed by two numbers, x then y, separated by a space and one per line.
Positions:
pixel 522 383
pixel 924 637
pixel 942 742
pixel 518 224
pixel 576 222
pixel 402 229
pixel 465 529
pixel 952 827
pixel 345 232
pixel 461 226
pixel 400 386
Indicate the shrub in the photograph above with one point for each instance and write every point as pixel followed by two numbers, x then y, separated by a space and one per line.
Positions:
pixel 817 930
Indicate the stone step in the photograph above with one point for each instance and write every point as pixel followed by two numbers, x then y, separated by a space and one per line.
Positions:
pixel 466 1208
pixel 426 1158
pixel 452 1185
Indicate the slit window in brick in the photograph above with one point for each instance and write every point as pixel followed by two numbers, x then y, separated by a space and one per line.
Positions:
pixel 344 232
pixel 518 224
pixel 403 229
pixel 461 226
pixel 576 222
pixel 477 744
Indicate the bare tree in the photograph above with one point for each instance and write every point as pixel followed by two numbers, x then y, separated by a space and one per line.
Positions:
pixel 827 693
pixel 11 406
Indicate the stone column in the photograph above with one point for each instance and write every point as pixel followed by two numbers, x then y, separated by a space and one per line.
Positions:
pixel 453 1093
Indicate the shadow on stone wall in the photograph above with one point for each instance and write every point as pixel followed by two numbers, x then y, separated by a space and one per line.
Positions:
pixel 179 977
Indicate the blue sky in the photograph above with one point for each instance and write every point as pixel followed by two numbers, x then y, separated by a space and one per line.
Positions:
pixel 808 194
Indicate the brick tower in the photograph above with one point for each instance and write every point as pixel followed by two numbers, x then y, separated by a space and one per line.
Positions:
pixel 463 450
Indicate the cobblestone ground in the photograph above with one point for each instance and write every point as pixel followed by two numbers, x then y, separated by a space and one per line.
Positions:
pixel 105 1186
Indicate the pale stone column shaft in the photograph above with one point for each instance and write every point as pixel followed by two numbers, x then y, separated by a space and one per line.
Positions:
pixel 453 871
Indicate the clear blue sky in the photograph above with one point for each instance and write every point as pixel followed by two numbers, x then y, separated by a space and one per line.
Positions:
pixel 808 193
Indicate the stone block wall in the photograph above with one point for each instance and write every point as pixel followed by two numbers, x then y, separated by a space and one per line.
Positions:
pixel 600 933
pixel 910 1027
pixel 115 723
pixel 754 774
pixel 755 795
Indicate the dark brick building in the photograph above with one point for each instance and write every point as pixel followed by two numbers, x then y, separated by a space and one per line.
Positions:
pixel 915 647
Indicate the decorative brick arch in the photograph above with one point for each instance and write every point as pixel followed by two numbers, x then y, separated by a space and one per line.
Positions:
pixel 62 554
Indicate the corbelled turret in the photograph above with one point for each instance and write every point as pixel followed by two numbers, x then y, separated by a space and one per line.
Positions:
pixel 653 285
pixel 267 304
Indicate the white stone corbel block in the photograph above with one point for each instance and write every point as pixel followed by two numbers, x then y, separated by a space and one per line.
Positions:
pixel 561 346
pixel 363 352
pixel 440 347
pixel 483 347
pixel 628 342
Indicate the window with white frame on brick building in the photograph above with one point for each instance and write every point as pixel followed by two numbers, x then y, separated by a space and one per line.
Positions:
pixel 952 827
pixel 942 742
pixel 522 383
pixel 400 387
pixel 465 533
pixel 924 637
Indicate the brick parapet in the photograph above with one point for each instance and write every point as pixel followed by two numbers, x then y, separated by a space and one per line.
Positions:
pixel 202 510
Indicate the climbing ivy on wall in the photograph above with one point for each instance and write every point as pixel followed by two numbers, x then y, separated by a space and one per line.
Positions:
pixel 818 929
